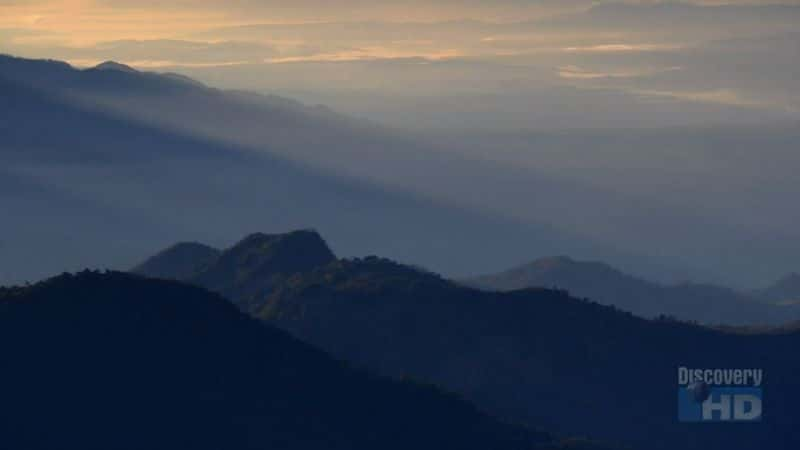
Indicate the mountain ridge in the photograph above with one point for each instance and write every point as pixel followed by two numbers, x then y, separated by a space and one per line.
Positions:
pixel 248 269
pixel 113 65
pixel 528 355
pixel 158 364
pixel 172 184
pixel 525 355
pixel 601 282
pixel 784 290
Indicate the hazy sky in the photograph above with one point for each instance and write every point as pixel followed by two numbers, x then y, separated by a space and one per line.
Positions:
pixel 386 59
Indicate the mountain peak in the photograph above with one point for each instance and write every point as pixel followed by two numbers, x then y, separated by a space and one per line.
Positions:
pixel 290 252
pixel 549 261
pixel 113 65
pixel 306 242
pixel 253 266
pixel 566 263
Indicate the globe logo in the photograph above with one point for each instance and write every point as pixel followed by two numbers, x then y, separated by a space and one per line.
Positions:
pixel 700 391
pixel 720 395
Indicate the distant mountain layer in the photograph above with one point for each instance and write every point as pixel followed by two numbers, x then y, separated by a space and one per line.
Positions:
pixel 785 290
pixel 134 155
pixel 209 161
pixel 604 284
pixel 536 356
pixel 114 361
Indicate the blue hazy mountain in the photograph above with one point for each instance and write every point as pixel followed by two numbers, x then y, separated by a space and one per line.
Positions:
pixel 100 139
pixel 604 284
pixel 786 290
pixel 260 263
pixel 535 356
pixel 708 225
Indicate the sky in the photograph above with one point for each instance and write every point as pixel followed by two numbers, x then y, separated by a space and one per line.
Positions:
pixel 500 64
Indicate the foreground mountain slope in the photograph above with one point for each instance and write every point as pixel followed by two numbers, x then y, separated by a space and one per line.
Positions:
pixel 607 285
pixel 99 361
pixel 537 356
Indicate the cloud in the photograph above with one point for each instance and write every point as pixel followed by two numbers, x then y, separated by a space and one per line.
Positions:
pixel 370 54
pixel 279 11
pixel 184 51
pixel 721 96
pixel 578 73
pixel 619 48
pixel 681 21
pixel 761 70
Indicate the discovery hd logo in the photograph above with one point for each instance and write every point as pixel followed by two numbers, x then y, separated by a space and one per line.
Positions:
pixel 719 395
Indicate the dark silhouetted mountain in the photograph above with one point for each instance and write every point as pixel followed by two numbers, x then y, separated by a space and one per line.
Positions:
pixel 604 284
pixel 785 290
pixel 179 262
pixel 536 356
pixel 114 361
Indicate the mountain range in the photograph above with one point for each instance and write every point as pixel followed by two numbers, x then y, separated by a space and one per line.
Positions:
pixel 132 148
pixel 688 301
pixel 275 342
pixel 535 356
pixel 786 290
pixel 126 150
pixel 111 360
